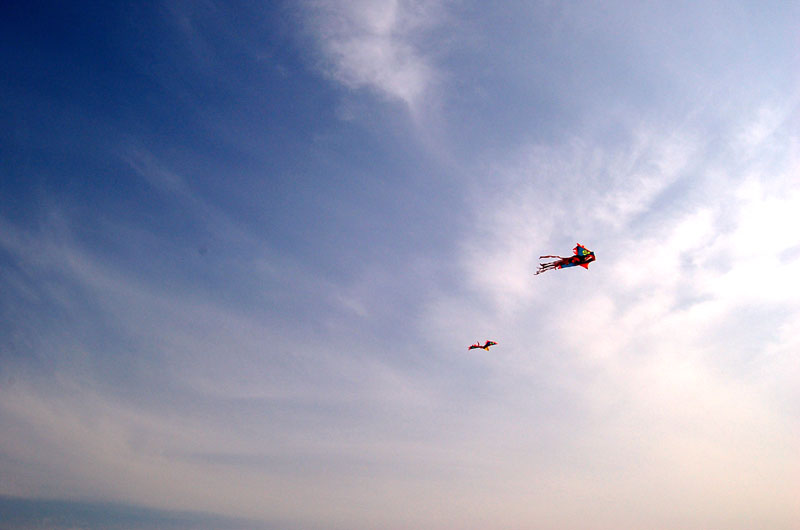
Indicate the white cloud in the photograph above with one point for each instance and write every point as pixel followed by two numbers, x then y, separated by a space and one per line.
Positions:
pixel 378 45
pixel 567 194
pixel 673 389
pixel 759 129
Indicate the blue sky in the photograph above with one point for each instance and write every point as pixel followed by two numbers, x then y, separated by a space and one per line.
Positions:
pixel 244 247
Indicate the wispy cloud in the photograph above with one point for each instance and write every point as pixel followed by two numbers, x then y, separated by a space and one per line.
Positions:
pixel 636 342
pixel 207 387
pixel 382 46
pixel 267 315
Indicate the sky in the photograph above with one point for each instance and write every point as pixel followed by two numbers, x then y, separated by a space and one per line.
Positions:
pixel 245 245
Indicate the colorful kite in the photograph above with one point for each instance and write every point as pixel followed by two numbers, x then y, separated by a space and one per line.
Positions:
pixel 485 346
pixel 583 257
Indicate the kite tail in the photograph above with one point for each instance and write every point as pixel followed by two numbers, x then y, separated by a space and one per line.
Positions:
pixel 547 267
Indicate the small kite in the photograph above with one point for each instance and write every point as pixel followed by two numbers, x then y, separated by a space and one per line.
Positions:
pixel 484 347
pixel 583 257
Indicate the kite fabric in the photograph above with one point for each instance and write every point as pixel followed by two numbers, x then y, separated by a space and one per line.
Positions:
pixel 582 257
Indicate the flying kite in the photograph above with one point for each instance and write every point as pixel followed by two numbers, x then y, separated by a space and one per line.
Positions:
pixel 583 257
pixel 485 346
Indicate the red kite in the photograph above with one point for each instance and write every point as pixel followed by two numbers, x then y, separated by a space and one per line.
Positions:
pixel 583 257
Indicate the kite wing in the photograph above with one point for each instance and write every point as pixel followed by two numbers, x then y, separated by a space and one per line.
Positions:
pixel 580 250
pixel 585 255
